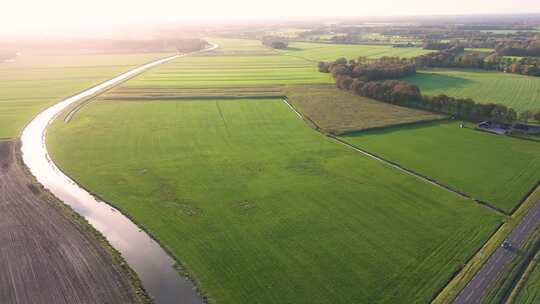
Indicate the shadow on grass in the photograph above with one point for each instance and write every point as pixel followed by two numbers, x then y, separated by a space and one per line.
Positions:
pixel 402 127
pixel 438 82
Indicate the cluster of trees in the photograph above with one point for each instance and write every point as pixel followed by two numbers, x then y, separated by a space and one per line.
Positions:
pixel 435 45
pixel 368 70
pixel 99 46
pixel 275 42
pixel 358 78
pixel 468 109
pixel 187 45
pixel 530 48
pixel 406 94
pixel 456 57
pixel 443 58
pixel 391 91
pixel 524 66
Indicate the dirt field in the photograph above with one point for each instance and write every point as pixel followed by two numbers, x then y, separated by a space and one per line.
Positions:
pixel 46 256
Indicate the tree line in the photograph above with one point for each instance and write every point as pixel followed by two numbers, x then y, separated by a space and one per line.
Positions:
pixel 275 42
pixel 529 48
pixel 435 45
pixel 524 66
pixel 455 57
pixel 443 58
pixel 406 94
pixel 368 70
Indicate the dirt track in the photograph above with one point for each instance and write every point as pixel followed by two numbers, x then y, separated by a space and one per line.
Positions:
pixel 46 256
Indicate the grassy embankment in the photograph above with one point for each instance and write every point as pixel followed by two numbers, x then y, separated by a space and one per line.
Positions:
pixel 251 201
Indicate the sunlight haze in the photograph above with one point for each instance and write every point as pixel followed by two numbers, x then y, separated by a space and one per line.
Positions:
pixel 44 16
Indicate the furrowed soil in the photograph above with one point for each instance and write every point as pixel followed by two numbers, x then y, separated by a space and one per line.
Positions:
pixel 47 254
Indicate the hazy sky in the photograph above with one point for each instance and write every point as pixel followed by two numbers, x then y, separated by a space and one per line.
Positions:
pixel 44 15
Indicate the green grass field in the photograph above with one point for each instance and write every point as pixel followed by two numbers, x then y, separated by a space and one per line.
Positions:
pixel 197 71
pixel 515 91
pixel 34 82
pixel 326 51
pixel 493 168
pixel 230 46
pixel 242 63
pixel 262 209
pixel 337 111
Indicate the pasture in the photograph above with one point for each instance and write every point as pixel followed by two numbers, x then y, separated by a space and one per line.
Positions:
pixel 32 83
pixel 259 208
pixel 492 168
pixel 231 46
pixel 243 64
pixel 516 91
pixel 205 71
pixel 326 51
pixel 336 111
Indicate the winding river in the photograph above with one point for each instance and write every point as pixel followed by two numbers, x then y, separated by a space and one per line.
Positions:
pixel 151 263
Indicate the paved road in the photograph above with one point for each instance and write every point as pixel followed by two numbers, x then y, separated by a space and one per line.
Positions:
pixel 486 276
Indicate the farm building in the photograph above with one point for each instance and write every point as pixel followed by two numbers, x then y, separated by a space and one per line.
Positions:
pixel 505 128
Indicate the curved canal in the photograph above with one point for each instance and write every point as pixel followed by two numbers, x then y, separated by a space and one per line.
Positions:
pixel 151 263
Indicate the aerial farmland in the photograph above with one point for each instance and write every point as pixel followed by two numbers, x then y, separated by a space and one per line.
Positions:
pixel 305 161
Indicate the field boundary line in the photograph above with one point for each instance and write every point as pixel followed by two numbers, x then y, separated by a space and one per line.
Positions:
pixel 194 97
pixel 418 175
pixel 286 101
pixel 525 197
pixel 400 168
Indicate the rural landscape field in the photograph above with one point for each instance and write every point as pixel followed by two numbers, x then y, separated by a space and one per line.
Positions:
pixel 314 159
pixel 516 91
